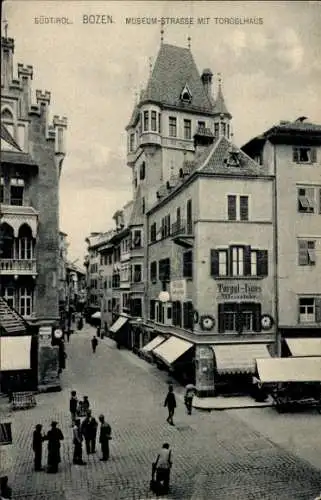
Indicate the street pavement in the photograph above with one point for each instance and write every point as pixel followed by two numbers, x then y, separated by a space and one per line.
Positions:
pixel 216 455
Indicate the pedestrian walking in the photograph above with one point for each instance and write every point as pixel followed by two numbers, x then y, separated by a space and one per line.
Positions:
pixel 170 402
pixel 188 398
pixel 161 468
pixel 73 406
pixel 5 489
pixel 54 436
pixel 89 431
pixel 94 343
pixel 77 442
pixel 37 440
pixel 104 438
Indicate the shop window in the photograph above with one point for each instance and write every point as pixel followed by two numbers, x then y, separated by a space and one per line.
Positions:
pixel 177 313
pixel 236 317
pixel 152 309
pixel 188 315
pixel 307 255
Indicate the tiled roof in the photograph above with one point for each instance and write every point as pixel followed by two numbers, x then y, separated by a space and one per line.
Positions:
pixel 6 136
pixel 174 68
pixel 220 106
pixel 10 320
pixel 225 158
pixel 286 128
pixel 134 116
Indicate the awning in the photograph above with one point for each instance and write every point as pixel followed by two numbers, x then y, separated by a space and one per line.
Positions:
pixel 119 323
pixel 304 347
pixel 96 315
pixel 289 369
pixel 15 353
pixel 172 349
pixel 153 343
pixel 238 358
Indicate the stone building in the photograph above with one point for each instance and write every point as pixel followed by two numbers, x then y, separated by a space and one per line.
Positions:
pixel 292 152
pixel 32 154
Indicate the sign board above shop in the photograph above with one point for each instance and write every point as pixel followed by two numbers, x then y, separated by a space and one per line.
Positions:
pixel 238 290
pixel 178 290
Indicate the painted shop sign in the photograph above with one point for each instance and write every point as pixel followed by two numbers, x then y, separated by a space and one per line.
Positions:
pixel 242 290
pixel 178 290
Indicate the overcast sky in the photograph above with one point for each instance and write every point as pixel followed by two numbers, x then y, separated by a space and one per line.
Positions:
pixel 270 72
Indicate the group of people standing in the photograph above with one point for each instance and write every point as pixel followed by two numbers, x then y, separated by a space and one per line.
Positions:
pixel 85 430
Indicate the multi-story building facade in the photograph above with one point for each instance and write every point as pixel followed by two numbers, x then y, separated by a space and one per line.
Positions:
pixel 91 264
pixel 32 152
pixel 292 152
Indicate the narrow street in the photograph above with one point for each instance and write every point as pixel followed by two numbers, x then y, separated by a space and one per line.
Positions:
pixel 215 455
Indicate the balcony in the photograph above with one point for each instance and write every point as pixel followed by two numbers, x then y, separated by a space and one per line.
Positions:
pixel 17 215
pixel 182 233
pixel 18 266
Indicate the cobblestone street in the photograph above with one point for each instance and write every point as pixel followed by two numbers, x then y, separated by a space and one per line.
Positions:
pixel 215 455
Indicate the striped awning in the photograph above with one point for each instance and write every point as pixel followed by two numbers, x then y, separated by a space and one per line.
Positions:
pixel 294 369
pixel 238 358
pixel 172 349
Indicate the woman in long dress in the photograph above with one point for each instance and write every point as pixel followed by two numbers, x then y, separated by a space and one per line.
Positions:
pixel 54 436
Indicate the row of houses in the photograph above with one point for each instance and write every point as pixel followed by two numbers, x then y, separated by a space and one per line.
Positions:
pixel 217 258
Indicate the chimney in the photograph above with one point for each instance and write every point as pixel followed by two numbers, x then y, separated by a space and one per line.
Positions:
pixel 25 74
pixel 7 50
pixel 207 82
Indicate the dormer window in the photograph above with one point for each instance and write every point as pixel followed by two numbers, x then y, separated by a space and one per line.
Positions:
pixel 186 95
pixel 233 159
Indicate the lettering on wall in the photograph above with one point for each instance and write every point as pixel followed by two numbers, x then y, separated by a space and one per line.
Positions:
pixel 244 290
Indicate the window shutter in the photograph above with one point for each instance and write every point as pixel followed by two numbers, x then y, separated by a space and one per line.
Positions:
pixel 231 207
pixel 247 261
pixel 244 207
pixel 318 309
pixel 313 155
pixel 214 263
pixel 303 252
pixel 220 311
pixel 262 263
pixel 296 155
pixel 257 317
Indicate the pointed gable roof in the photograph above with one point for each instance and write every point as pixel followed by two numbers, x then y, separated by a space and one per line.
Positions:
pixel 220 106
pixel 227 159
pixel 174 68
